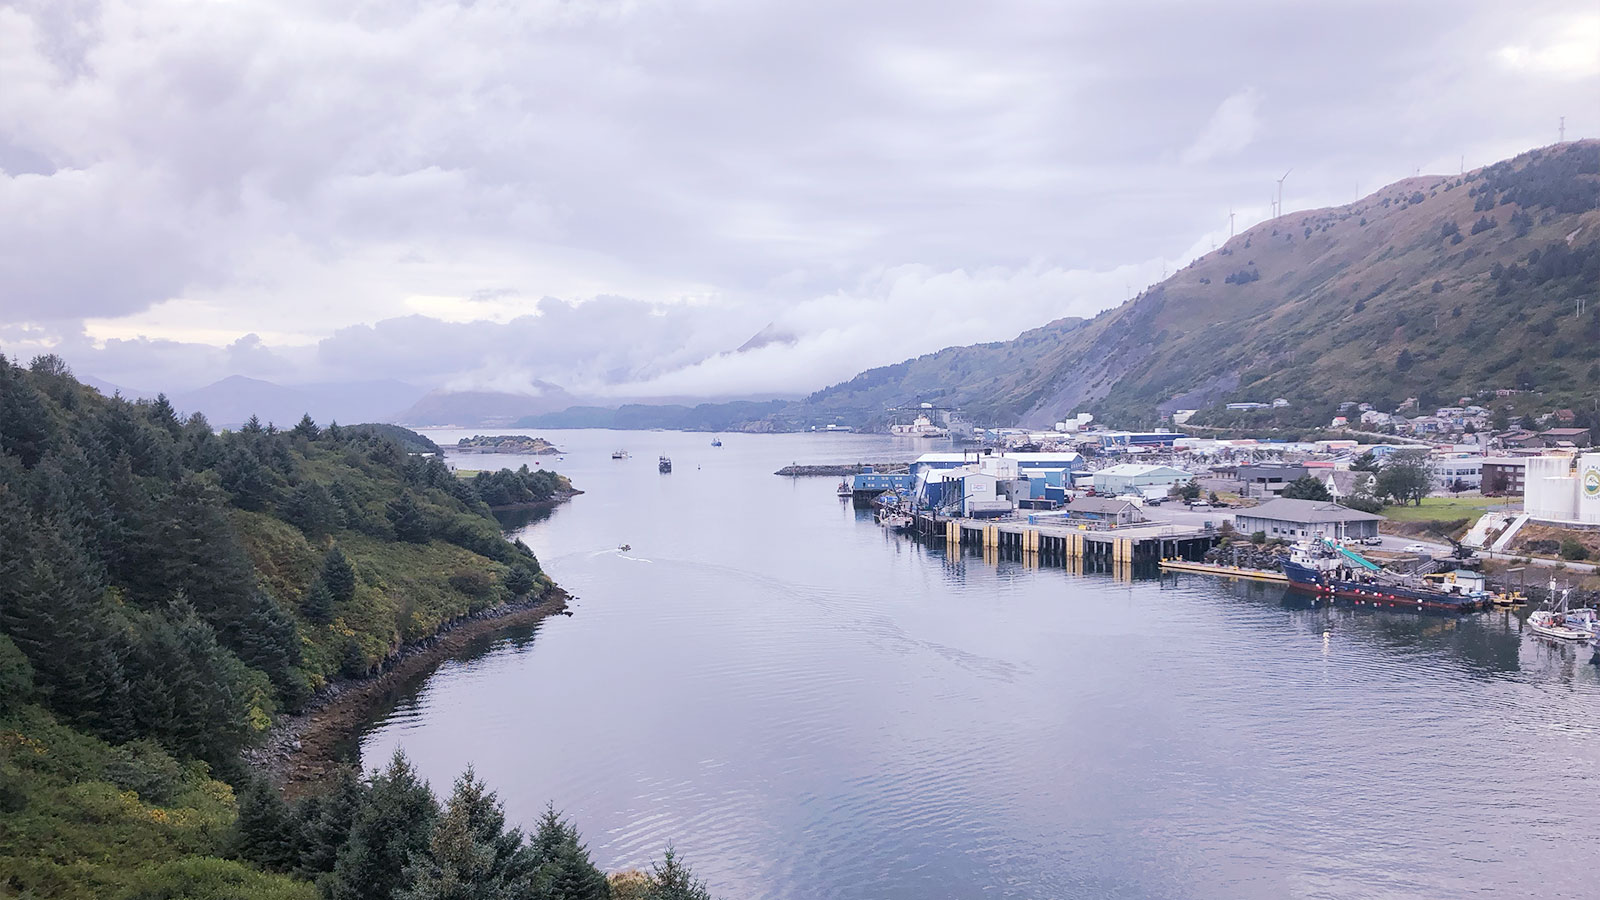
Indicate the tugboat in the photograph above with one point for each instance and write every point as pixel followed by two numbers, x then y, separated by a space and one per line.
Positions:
pixel 1563 624
pixel 1322 567
pixel 664 465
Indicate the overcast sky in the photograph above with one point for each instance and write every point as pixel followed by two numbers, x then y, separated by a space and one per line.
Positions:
pixel 616 197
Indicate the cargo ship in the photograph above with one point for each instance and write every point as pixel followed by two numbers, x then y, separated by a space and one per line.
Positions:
pixel 1327 569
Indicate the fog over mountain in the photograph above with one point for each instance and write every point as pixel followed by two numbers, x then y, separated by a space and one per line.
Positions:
pixel 713 199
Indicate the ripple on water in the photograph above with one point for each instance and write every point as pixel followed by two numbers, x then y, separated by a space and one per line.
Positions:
pixel 809 708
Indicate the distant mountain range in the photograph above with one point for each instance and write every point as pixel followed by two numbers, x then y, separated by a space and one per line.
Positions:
pixel 1434 287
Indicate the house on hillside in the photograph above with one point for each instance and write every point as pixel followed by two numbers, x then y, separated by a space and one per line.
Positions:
pixel 1296 519
pixel 1344 483
pixel 1564 437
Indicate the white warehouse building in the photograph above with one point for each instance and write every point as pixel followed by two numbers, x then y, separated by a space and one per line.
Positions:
pixel 1130 478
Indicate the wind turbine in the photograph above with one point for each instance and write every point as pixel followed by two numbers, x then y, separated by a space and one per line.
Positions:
pixel 1280 191
pixel 1230 223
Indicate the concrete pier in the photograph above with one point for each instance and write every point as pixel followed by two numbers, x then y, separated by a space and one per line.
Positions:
pixel 1121 546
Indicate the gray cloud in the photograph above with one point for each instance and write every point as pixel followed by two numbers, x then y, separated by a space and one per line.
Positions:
pixel 397 189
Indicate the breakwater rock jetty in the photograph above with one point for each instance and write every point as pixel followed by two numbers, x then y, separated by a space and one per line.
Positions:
pixel 841 469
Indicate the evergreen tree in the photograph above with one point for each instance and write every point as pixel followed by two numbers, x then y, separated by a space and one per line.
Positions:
pixel 409 521
pixel 53 605
pixel 562 869
pixel 1366 462
pixel 339 575
pixel 312 509
pixel 26 428
pixel 326 821
pixel 1306 487
pixel 519 581
pixel 394 822
pixel 318 603
pixel 306 428
pixel 186 690
pixel 265 638
pixel 163 416
pixel 16 677
pixel 671 879
pixel 470 855
pixel 265 832
pixel 245 478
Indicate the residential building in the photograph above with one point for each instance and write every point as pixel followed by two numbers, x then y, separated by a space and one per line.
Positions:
pixel 1342 483
pixel 1564 437
pixel 1502 475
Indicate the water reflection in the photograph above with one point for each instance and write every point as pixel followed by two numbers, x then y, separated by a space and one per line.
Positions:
pixel 808 706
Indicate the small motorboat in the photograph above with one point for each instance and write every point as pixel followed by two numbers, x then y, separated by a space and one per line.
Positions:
pixel 716 442
pixel 664 465
pixel 619 454
pixel 624 548
pixel 1565 624
pixel 843 490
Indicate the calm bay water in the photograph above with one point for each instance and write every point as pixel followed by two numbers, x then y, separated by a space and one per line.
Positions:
pixel 808 707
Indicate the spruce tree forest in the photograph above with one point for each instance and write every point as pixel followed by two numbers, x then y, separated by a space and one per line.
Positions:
pixel 167 591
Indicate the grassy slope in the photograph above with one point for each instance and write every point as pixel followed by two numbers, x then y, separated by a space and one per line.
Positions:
pixel 106 822
pixel 1326 320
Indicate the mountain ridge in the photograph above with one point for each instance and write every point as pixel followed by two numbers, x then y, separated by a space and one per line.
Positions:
pixel 1433 286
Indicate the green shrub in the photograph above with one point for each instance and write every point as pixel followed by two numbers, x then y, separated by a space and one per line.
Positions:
pixel 1258 537
pixel 200 878
pixel 1572 549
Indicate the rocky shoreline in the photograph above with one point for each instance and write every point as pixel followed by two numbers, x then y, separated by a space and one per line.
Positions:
pixel 303 749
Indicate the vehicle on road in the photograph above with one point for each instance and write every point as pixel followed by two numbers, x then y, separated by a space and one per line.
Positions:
pixel 1373 541
pixel 1414 548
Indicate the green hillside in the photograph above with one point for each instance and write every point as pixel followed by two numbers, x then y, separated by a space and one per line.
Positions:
pixel 1434 287
pixel 165 591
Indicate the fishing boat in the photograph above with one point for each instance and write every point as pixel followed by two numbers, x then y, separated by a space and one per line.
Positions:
pixel 1561 623
pixel 664 465
pixel 843 490
pixel 716 442
pixel 1323 567
pixel 624 547
pixel 619 454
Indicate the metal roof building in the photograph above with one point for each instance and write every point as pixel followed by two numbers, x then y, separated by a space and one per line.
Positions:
pixel 1295 519
pixel 1132 478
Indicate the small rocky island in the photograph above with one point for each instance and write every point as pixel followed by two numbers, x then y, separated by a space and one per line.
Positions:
pixel 507 443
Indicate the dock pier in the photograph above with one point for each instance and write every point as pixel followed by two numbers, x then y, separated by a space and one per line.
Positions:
pixel 1133 544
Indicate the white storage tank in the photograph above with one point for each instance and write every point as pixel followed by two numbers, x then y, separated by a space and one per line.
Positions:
pixel 1589 488
pixel 1553 498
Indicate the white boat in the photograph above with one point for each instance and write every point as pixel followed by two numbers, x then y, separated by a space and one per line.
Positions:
pixel 1563 624
pixel 921 427
pixel 843 490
